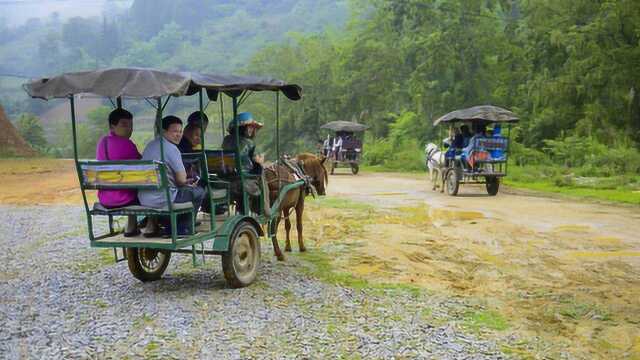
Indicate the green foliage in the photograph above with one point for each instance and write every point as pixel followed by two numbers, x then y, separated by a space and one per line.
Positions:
pixel 30 128
pixel 88 134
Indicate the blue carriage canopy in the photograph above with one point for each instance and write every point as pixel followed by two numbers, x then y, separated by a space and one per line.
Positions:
pixel 486 113
pixel 152 83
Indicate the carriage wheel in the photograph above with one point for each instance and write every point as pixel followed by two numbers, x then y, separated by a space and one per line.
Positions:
pixel 147 264
pixel 453 183
pixel 240 263
pixel 354 169
pixel 493 184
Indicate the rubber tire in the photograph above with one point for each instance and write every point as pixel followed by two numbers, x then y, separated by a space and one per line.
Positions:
pixel 493 185
pixel 139 272
pixel 452 183
pixel 354 169
pixel 234 279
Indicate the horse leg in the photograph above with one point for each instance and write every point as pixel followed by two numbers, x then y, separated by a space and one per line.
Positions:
pixel 276 248
pixel 299 211
pixel 287 227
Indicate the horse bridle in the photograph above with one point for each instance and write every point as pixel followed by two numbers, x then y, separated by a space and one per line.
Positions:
pixel 431 152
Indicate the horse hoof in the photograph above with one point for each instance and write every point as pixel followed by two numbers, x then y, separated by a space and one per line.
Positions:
pixel 280 257
pixel 287 249
pixel 303 249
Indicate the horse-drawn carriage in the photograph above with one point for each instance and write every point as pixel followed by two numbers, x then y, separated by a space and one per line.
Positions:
pixel 476 152
pixel 233 234
pixel 344 149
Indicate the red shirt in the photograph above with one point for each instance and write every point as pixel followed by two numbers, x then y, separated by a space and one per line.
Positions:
pixel 118 148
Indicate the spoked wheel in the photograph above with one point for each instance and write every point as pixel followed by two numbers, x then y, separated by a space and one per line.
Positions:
pixel 147 264
pixel 240 263
pixel 493 184
pixel 453 183
pixel 354 169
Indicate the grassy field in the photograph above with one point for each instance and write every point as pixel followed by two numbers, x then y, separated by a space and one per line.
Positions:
pixel 619 189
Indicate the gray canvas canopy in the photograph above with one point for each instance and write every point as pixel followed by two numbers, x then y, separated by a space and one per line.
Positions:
pixel 487 113
pixel 344 126
pixel 151 83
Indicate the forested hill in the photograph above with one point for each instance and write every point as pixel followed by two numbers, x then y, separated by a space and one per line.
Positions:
pixel 215 36
pixel 569 68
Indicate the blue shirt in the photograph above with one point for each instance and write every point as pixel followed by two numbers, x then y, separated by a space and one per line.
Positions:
pixel 173 164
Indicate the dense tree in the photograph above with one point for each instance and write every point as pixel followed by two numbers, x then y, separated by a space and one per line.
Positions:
pixel 30 128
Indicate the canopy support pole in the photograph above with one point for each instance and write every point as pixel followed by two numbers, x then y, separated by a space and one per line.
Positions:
pixel 506 164
pixel 78 170
pixel 119 102
pixel 205 167
pixel 245 198
pixel 222 117
pixel 278 128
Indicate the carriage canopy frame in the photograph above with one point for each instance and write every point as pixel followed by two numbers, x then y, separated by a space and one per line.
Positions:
pixel 482 113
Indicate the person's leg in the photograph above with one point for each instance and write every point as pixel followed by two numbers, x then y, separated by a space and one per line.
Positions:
pixel 266 201
pixel 192 194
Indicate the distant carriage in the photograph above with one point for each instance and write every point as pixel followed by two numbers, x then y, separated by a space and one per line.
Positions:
pixel 481 156
pixel 345 147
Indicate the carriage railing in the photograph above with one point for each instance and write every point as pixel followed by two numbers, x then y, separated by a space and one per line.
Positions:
pixel 486 156
pixel 132 175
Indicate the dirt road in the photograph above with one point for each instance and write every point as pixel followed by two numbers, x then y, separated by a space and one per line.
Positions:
pixel 567 272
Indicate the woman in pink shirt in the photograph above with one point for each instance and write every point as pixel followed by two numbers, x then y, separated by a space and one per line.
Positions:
pixel 118 146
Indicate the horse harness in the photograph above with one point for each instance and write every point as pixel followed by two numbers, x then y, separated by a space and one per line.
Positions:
pixel 298 174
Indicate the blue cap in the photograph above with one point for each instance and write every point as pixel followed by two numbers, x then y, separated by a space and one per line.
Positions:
pixel 244 119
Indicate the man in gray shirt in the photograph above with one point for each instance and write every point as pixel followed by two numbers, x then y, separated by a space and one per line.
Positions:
pixel 181 190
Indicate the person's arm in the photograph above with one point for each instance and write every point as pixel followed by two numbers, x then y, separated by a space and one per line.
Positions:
pixel 174 160
pixel 181 178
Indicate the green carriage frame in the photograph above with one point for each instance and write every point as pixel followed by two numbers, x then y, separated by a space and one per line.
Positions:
pixel 157 88
pixel 488 172
pixel 354 128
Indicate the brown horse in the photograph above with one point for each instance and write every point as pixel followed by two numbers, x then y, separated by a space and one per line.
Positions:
pixel 277 176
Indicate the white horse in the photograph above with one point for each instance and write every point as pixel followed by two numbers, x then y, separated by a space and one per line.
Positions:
pixel 434 158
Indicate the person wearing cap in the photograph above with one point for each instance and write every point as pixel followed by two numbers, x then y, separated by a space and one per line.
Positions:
pixel 250 161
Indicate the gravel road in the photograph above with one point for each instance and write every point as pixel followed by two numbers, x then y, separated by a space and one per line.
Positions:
pixel 61 299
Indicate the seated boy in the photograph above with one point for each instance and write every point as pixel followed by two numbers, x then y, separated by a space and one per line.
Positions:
pixel 117 145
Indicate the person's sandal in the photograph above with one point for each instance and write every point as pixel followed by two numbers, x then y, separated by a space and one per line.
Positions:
pixel 153 234
pixel 133 233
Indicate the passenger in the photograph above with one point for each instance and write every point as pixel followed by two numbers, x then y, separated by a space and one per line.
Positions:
pixel 337 148
pixel 252 163
pixel 466 135
pixel 195 117
pixel 191 142
pixel 180 189
pixel 191 138
pixel 458 138
pixel 118 146
pixel 326 146
pixel 497 154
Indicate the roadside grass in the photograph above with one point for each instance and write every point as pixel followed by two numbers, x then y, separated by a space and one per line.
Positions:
pixel 567 182
pixel 611 195
pixel 318 264
pixel 485 319
pixel 95 261
pixel 340 203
